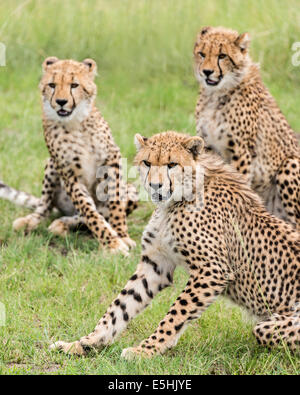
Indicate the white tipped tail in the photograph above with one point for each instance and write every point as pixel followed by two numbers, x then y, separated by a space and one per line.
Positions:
pixel 18 197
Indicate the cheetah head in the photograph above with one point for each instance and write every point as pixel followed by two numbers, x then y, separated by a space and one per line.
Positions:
pixel 167 163
pixel 68 89
pixel 221 57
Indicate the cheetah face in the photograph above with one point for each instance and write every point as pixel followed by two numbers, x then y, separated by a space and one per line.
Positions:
pixel 220 57
pixel 166 163
pixel 68 89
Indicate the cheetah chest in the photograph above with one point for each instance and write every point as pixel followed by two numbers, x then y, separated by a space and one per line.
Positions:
pixel 91 153
pixel 160 242
pixel 157 237
pixel 212 126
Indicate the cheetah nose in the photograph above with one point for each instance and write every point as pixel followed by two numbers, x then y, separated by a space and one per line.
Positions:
pixel 208 72
pixel 61 102
pixel 156 187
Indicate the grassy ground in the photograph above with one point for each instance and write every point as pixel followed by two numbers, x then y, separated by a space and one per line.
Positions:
pixel 57 289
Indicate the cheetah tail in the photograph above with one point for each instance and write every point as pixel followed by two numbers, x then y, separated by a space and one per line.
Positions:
pixel 18 197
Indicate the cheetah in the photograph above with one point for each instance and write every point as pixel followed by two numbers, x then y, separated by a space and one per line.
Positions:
pixel 240 120
pixel 225 239
pixel 84 163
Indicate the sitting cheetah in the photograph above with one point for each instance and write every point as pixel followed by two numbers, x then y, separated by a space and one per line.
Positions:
pixel 228 243
pixel 239 119
pixel 80 144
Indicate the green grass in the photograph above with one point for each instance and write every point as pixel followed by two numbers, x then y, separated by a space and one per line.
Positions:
pixel 57 289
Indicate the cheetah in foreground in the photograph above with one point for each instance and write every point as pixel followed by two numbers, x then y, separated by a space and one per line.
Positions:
pixel 229 244
pixel 80 144
pixel 239 119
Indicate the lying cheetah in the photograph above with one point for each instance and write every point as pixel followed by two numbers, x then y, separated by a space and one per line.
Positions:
pixel 229 244
pixel 80 144
pixel 239 119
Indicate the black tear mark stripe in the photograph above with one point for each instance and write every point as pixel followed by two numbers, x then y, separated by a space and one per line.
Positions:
pixel 53 89
pixel 169 179
pixel 71 93
pixel 218 61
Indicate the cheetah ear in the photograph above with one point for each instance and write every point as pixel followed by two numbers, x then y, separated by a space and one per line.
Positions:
pixel 243 42
pixel 49 61
pixel 202 33
pixel 194 145
pixel 139 141
pixel 205 30
pixel 92 66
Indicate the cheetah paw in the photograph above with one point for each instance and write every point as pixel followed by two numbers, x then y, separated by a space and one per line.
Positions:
pixel 28 223
pixel 129 242
pixel 74 348
pixel 135 352
pixel 58 228
pixel 118 245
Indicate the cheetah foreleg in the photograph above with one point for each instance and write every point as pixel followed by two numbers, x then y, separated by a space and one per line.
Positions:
pixel 85 205
pixel 191 303
pixel 62 225
pixel 136 295
pixel 117 198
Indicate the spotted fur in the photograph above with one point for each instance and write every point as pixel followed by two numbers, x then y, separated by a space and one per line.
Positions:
pixel 230 245
pixel 18 197
pixel 239 119
pixel 80 143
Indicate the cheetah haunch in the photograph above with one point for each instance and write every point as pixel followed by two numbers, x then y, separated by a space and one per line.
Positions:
pixel 230 246
pixel 239 119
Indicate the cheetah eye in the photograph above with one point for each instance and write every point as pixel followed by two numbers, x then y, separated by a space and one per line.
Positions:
pixel 148 164
pixel 172 164
pixel 201 54
pixel 222 56
pixel 74 85
pixel 52 85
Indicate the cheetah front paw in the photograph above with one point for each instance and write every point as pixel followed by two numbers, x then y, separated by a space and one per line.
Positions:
pixel 136 352
pixel 74 348
pixel 129 242
pixel 58 228
pixel 28 223
pixel 117 245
